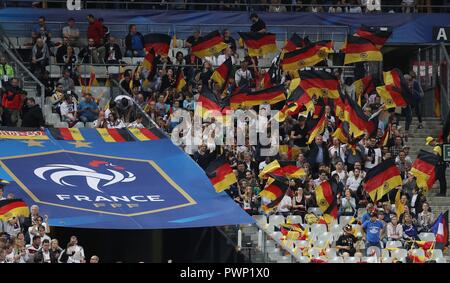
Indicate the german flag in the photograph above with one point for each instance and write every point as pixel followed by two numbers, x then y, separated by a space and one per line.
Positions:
pixel 274 192
pixel 357 120
pixel 363 86
pixel 393 96
pixel 282 168
pixel 358 49
pixel 149 62
pixel 67 134
pixel 208 104
pixel 307 56
pixel 181 81
pixel 320 83
pixel 158 42
pixel 425 245
pixel 341 133
pixel 424 169
pixel 291 152
pixel 376 35
pixel 395 77
pixel 223 73
pixel 13 208
pixel 318 129
pixel 209 45
pixel 115 135
pixel 271 77
pixel 270 96
pixel 92 81
pixel 292 232
pixel 221 174
pixel 326 198
pixel 381 179
pixel 339 106
pixel 296 42
pixel 145 134
pixel 259 44
pixel 296 101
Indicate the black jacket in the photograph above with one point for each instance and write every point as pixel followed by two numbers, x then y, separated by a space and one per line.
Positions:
pixel 39 257
pixel 128 41
pixel 32 117
pixel 116 50
pixel 314 151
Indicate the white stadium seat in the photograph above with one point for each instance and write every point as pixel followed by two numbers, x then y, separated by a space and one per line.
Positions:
pixel 276 219
pixel 427 237
pixel 399 254
pixel 285 259
pixel 393 244
pixel 303 259
pixel 260 219
pixel 318 229
pixel 344 220
pixel 336 259
pixel 315 210
pixel 294 219
pixel 437 253
pixel 418 252
pixel 351 259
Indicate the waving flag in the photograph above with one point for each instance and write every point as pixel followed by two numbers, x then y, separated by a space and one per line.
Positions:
pixel 158 42
pixel 259 44
pixel 181 81
pixel 210 44
pixel 358 49
pixel 296 42
pixel 393 96
pixel 358 121
pixel 381 179
pixel 320 83
pixel 440 230
pixel 307 56
pixel 223 73
pixel 365 85
pixel 274 192
pixel 270 96
pixel 221 174
pixel 13 208
pixel 67 134
pixel 318 129
pixel 326 199
pixel 376 35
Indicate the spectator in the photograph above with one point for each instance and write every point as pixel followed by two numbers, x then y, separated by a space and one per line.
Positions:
pixel 70 60
pixel 69 110
pixel 55 249
pixel 258 25
pixel 318 153
pixel 276 7
pixel 137 124
pixel 112 51
pixel 134 43
pixel 40 31
pixel 62 50
pixel 193 39
pixel 114 122
pixel 94 259
pixel 101 121
pixel 345 244
pixel 95 31
pixel 243 76
pixel 124 106
pixel 228 39
pixel 87 109
pixel 373 6
pixel 32 115
pixel 12 226
pixel 394 230
pixel 355 7
pixel 372 154
pixel 409 231
pixel 39 57
pixel 6 71
pixel 2 189
pixel 313 8
pixel 67 82
pixel 408 6
pixel 45 254
pixel 397 147
pixel 425 218
pixel 416 94
pixel 12 101
pixel 72 33
pixel 299 203
pixel 372 229
pixel 73 253
pixel 348 204
pixel 285 205
pixel 91 54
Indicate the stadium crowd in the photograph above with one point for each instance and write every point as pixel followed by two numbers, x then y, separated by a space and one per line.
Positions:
pixel 326 158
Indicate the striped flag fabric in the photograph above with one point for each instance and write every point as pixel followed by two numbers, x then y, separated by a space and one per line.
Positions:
pixel 376 35
pixel 115 135
pixel 424 169
pixel 307 56
pixel 159 42
pixel 270 96
pixel 440 230
pixel 259 44
pixel 362 86
pixel 326 198
pixel 320 83
pixel 359 49
pixel 180 81
pixel 67 134
pixel 381 179
pixel 318 129
pixel 392 96
pixel 13 208
pixel 145 134
pixel 221 174
pixel 295 42
pixel 358 122
pixel 274 192
pixel 223 73
pixel 209 45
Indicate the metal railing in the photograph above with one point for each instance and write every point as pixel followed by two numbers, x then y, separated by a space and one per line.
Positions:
pixel 20 67
pixel 244 5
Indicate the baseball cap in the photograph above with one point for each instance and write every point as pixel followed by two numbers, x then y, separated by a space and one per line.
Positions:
pixel 348 228
pixel 429 140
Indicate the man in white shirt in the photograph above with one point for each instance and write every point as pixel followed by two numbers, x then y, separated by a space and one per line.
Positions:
pixel 394 230
pixel 71 32
pixel 243 76
pixel 74 252
pixel 227 53
pixel 68 109
pixel 340 171
pixel 372 154
pixel 2 186
pixel 354 181
pixel 284 207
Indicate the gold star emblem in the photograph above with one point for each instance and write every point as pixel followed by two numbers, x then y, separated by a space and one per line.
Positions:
pixel 32 143
pixel 79 144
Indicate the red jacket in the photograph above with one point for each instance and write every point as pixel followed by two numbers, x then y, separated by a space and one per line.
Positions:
pixel 96 32
pixel 12 99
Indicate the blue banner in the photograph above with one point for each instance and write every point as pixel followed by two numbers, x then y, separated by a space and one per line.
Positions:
pixel 412 28
pixel 114 185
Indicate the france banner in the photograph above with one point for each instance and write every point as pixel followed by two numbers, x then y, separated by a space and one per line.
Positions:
pixel 91 183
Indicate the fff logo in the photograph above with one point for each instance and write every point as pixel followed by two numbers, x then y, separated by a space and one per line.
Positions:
pixel 73 5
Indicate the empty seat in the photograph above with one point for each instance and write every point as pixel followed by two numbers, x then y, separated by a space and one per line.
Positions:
pixel 321 244
pixel 335 228
pixel 373 251
pixel 393 244
pixel 61 125
pixel 301 244
pixel 303 259
pixel 285 259
pixel 318 229
pixel 100 72
pixel 440 260
pixel 371 259
pixel 269 244
pixel 89 124
pixel 85 70
pixel 24 42
pixel 326 237
pixel 399 254
pixel 386 259
pixel 294 219
pixel 313 252
pixel 385 253
pixel 112 70
pixel 276 219
pixel 127 60
pixel 54 70
pixel 344 220
pixel 336 259
pixel 315 210
pixel 351 259
pixel 437 253
pixel 260 219
pixel 418 252
pixel 331 252
pixel 427 237
pixel 276 236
